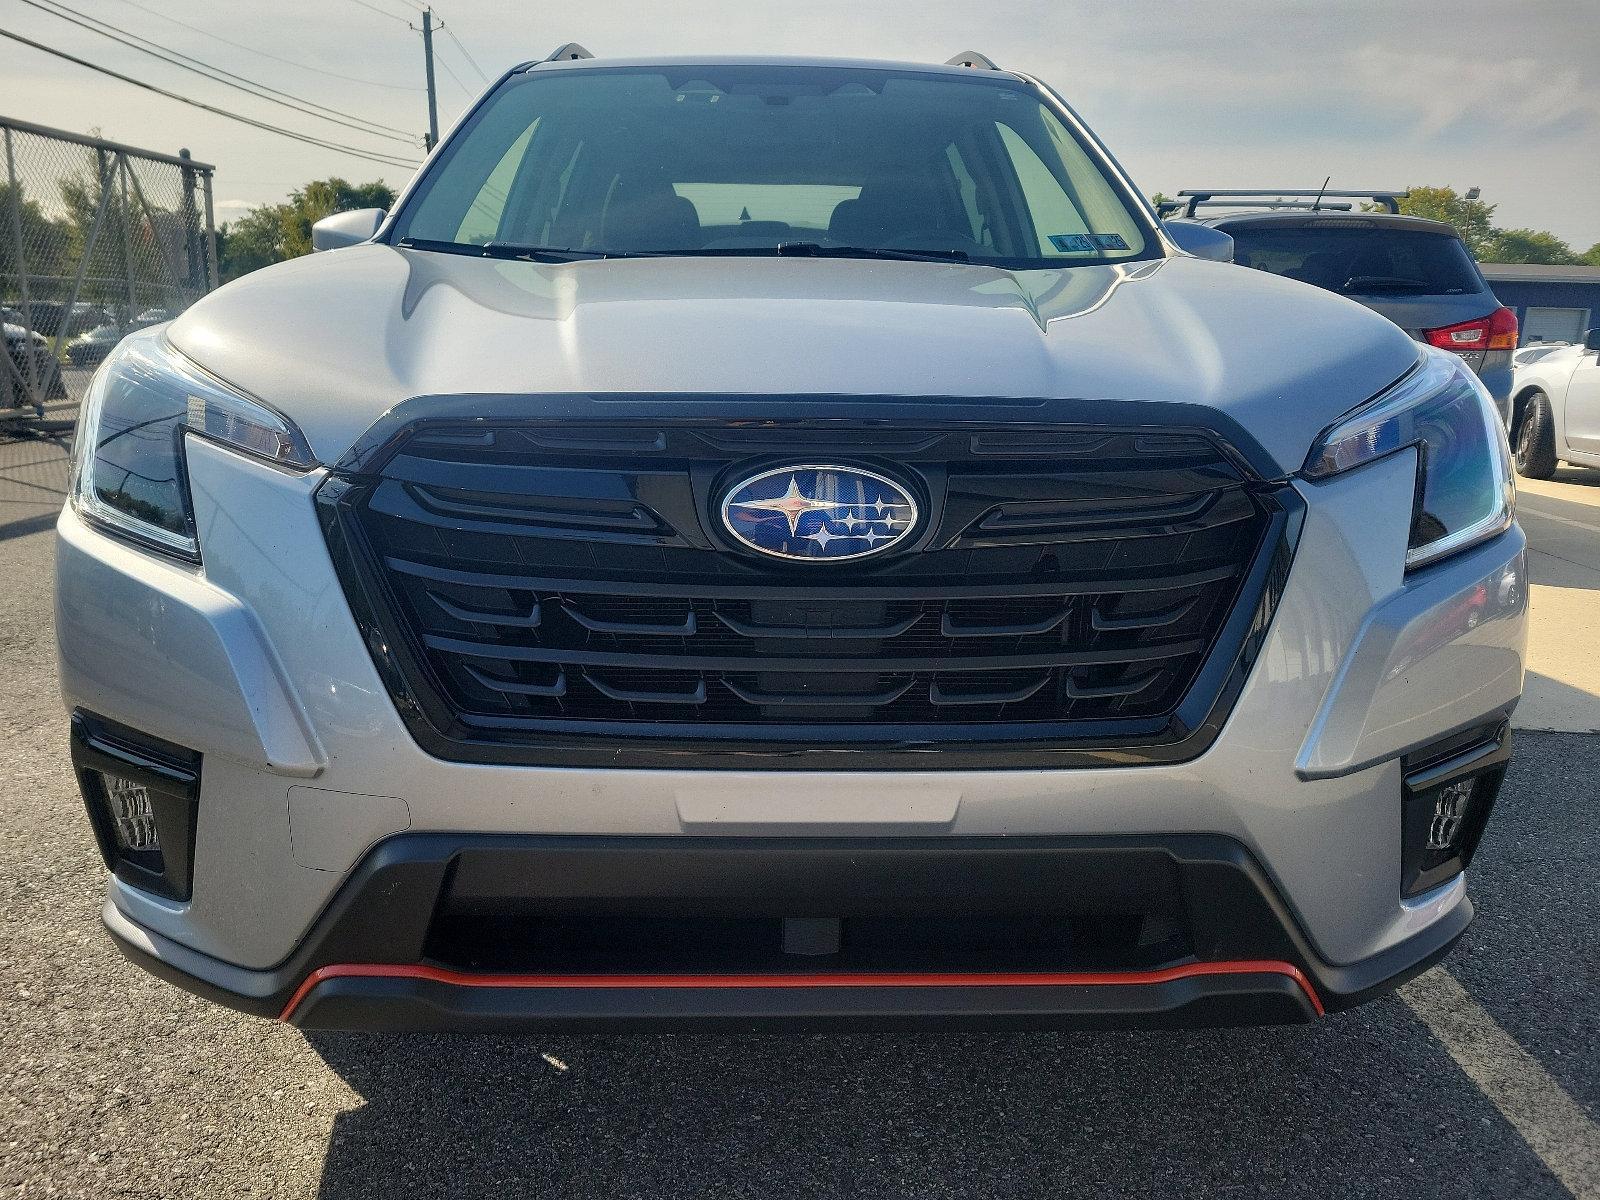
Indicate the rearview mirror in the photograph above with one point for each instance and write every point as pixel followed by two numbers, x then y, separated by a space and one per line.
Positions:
pixel 1202 241
pixel 347 228
pixel 1591 340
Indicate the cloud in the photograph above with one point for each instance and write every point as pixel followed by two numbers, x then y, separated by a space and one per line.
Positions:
pixel 1521 96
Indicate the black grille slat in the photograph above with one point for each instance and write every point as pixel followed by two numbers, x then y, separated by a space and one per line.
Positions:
pixel 873 699
pixel 1102 691
pixel 750 629
pixel 673 627
pixel 528 620
pixel 941 695
pixel 952 628
pixel 501 652
pixel 1152 620
pixel 695 695
pixel 540 582
pixel 802 590
pixel 553 690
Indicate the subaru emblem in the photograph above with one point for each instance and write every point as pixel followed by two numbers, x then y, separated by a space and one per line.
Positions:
pixel 818 513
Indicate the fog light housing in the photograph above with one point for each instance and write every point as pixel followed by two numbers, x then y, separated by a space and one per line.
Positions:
pixel 132 819
pixel 1449 814
pixel 1450 789
pixel 142 795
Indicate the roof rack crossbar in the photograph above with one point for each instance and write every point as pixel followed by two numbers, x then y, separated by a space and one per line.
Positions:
pixel 569 51
pixel 1172 206
pixel 971 58
pixel 1388 197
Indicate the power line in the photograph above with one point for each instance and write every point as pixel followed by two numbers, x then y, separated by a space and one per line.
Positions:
pixel 215 74
pixel 217 37
pixel 369 155
pixel 382 12
pixel 451 34
pixel 456 79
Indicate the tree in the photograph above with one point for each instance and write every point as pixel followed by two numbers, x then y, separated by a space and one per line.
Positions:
pixel 274 232
pixel 46 244
pixel 322 198
pixel 1473 219
pixel 254 241
pixel 1528 246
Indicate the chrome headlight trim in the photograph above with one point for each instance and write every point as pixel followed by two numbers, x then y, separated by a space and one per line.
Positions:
pixel 129 476
pixel 1466 489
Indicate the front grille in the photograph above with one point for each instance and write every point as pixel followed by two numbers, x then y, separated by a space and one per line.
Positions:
pixel 561 593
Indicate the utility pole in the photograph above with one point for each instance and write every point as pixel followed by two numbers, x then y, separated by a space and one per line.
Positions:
pixel 427 58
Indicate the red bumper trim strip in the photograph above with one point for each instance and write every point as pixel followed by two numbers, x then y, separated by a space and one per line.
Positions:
pixel 811 980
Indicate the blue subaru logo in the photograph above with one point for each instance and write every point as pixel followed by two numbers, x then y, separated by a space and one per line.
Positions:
pixel 812 513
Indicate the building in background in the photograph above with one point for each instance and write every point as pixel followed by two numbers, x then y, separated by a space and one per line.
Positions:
pixel 1553 303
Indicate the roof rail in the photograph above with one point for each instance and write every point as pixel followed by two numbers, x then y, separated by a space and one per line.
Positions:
pixel 971 58
pixel 1168 207
pixel 1242 197
pixel 570 51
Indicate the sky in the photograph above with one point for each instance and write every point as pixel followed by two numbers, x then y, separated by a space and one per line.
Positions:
pixel 1232 93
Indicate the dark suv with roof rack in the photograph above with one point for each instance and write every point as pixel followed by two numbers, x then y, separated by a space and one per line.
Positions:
pixel 1417 272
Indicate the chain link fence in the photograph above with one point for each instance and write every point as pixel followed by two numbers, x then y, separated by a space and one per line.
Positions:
pixel 96 239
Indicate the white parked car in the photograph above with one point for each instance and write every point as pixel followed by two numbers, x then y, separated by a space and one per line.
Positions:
pixel 1528 355
pixel 1556 409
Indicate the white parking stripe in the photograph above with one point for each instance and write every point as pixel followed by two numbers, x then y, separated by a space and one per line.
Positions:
pixel 1548 1119
pixel 1524 507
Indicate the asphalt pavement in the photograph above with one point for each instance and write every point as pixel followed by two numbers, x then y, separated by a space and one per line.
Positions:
pixel 1481 1079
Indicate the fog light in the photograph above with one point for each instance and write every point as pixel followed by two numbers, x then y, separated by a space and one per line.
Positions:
pixel 142 795
pixel 132 818
pixel 1449 812
pixel 1450 788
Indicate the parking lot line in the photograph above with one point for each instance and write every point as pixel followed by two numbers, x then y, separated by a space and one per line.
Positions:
pixel 1524 507
pixel 1555 1128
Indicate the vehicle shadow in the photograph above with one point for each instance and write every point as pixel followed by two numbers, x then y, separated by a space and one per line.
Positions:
pixel 1556 705
pixel 1367 1103
pixel 1586 476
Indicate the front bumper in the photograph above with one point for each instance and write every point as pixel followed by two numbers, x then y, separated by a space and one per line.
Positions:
pixel 255 662
pixel 438 931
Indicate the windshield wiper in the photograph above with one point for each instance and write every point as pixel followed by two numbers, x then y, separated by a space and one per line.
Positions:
pixel 818 250
pixel 1383 283
pixel 561 254
pixel 550 254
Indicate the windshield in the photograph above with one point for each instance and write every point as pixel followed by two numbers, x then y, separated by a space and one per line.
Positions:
pixel 1356 258
pixel 706 159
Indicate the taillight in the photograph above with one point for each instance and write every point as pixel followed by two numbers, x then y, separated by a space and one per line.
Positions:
pixel 1502 329
pixel 1497 331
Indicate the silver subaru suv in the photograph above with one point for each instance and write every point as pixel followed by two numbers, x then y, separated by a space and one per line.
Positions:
pixel 767 542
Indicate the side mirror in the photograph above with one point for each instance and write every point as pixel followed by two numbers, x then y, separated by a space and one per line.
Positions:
pixel 1202 241
pixel 347 228
pixel 1591 340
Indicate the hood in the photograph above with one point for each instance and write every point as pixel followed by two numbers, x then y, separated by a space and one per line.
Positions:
pixel 337 339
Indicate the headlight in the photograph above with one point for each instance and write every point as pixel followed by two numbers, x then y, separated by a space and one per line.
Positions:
pixel 128 472
pixel 1465 489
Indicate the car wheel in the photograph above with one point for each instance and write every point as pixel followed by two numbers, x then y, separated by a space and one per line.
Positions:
pixel 1536 440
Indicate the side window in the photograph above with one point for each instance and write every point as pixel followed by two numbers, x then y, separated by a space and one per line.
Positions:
pixel 484 217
